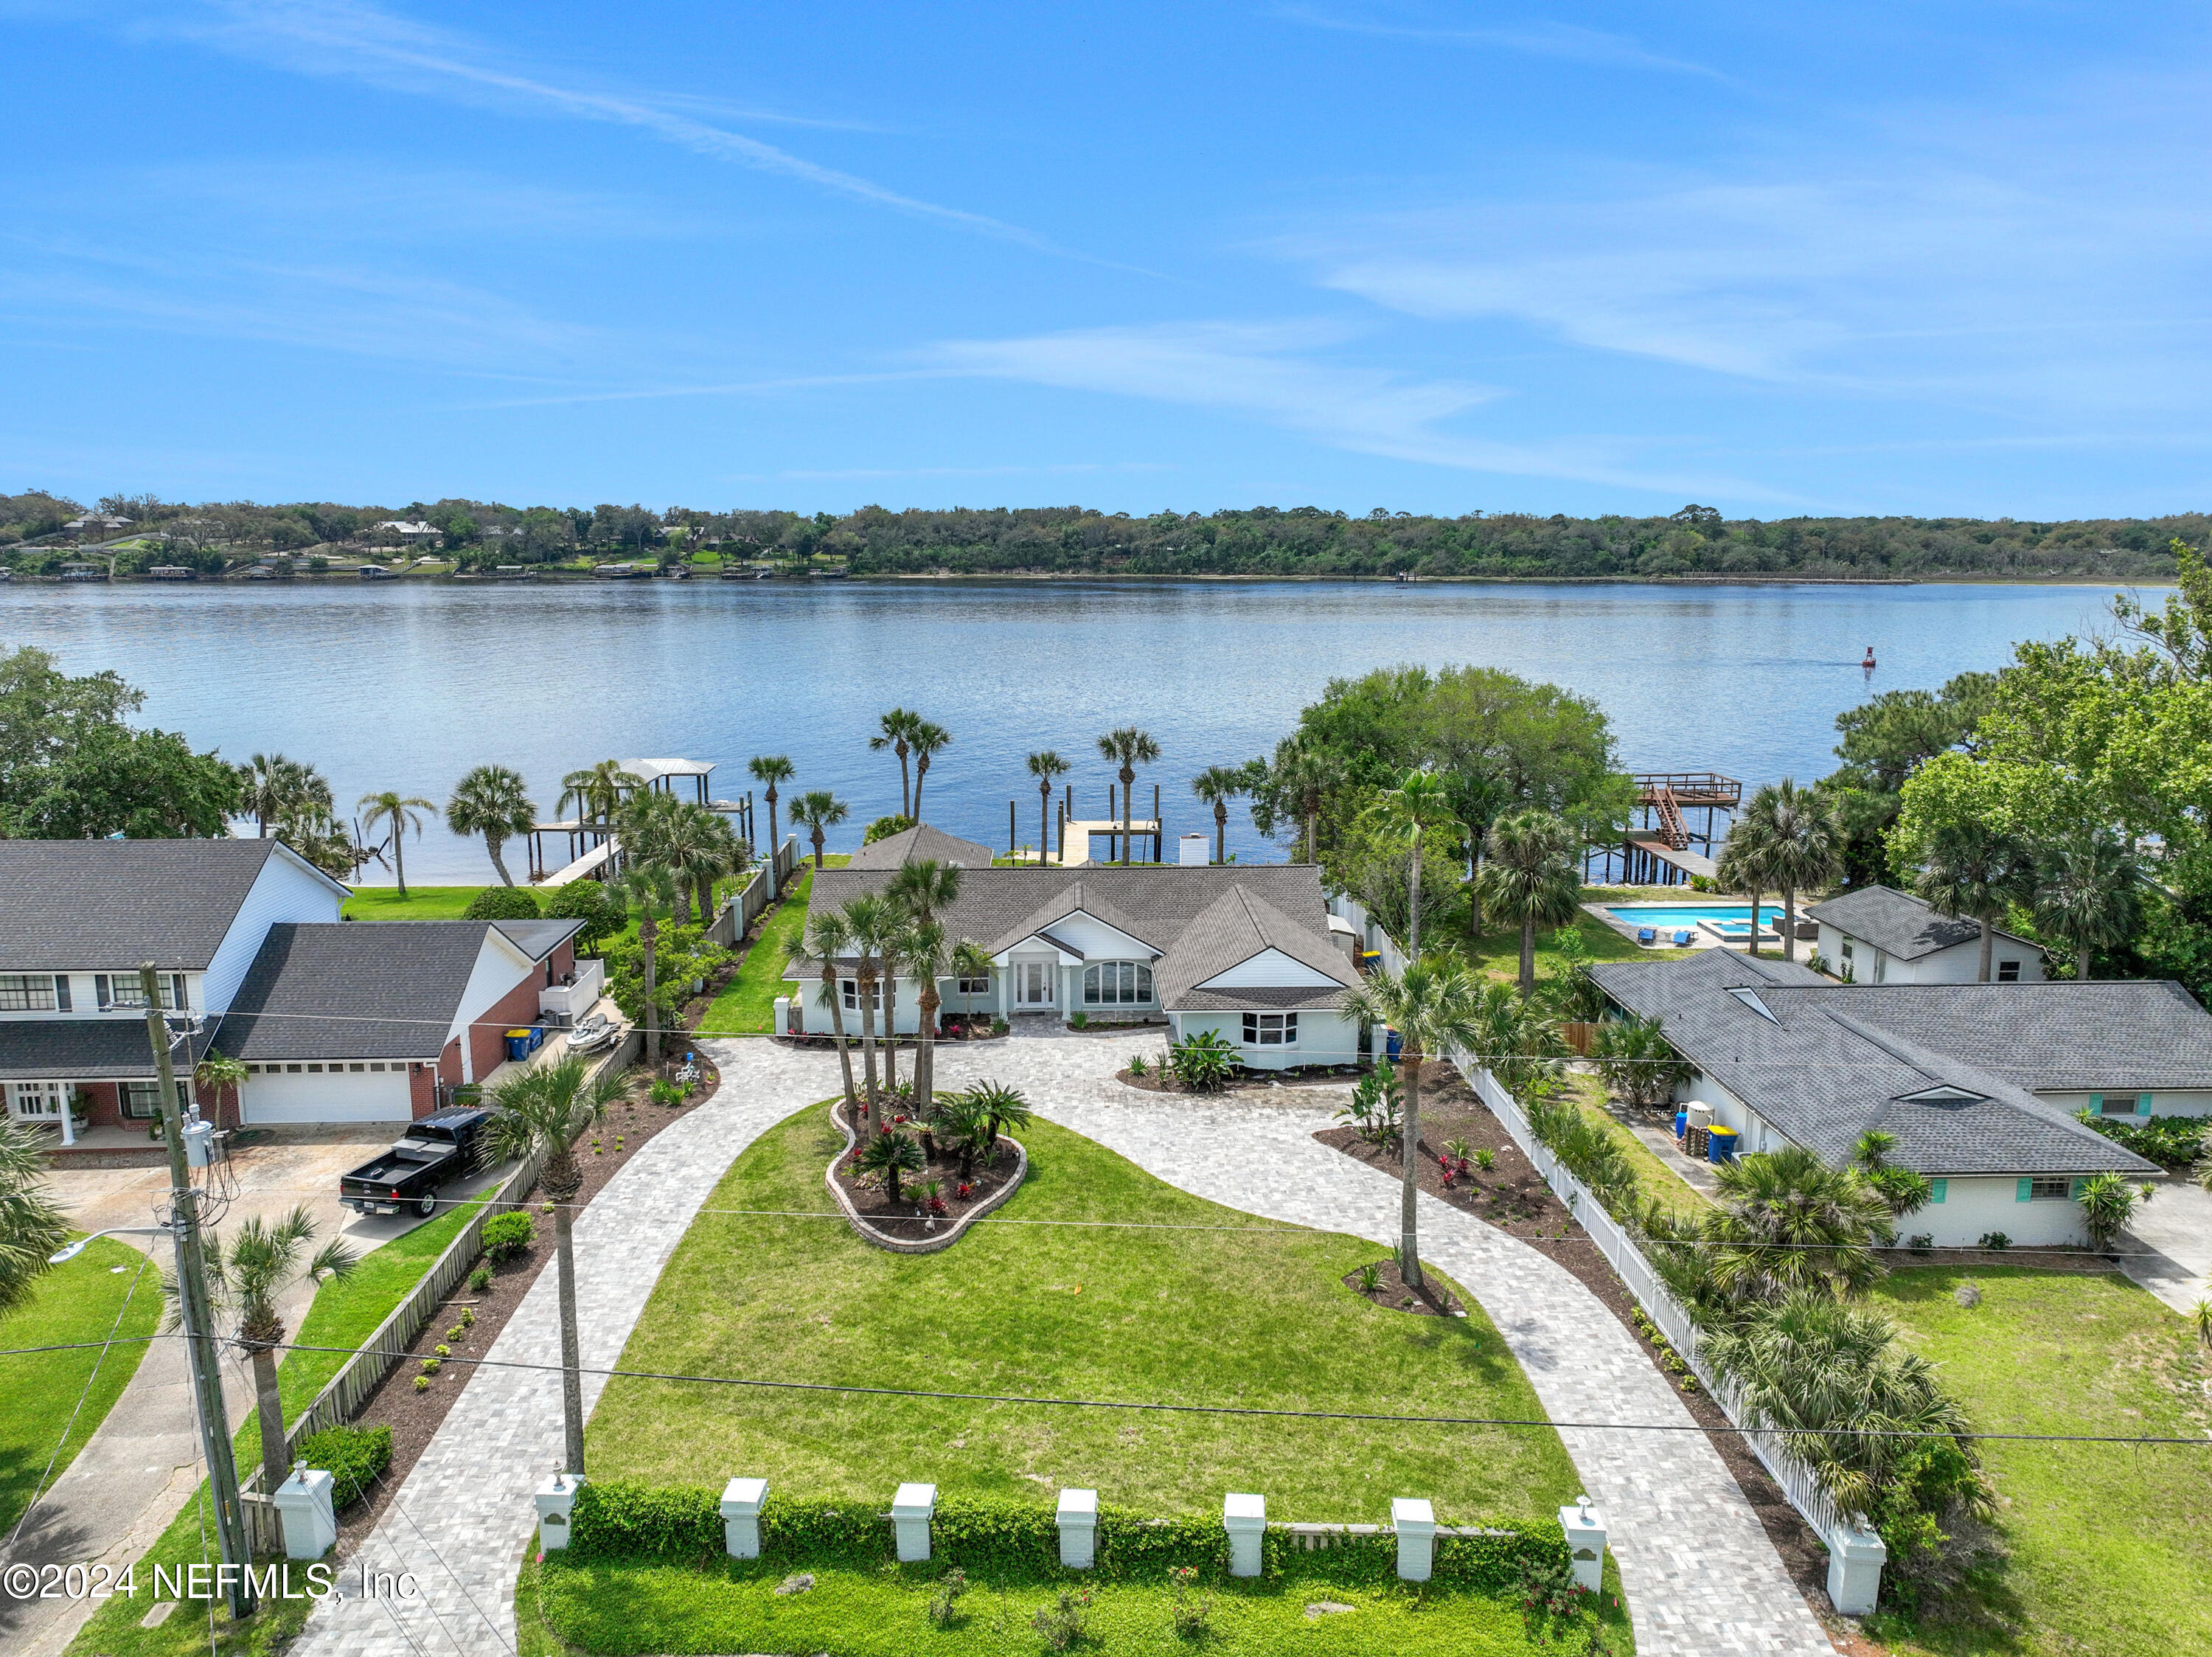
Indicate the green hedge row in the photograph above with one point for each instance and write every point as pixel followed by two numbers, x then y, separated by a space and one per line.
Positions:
pixel 356 1458
pixel 622 1519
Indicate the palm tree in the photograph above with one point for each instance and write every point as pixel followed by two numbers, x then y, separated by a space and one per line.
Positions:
pixel 2089 891
pixel 598 792
pixel 768 770
pixel 650 883
pixel 873 923
pixel 1789 835
pixel 1308 773
pixel 1047 766
pixel 212 1075
pixel 1217 785
pixel 819 811
pixel 1405 816
pixel 401 812
pixel 889 1154
pixel 494 801
pixel 544 1112
pixel 1529 876
pixel 1974 871
pixel 1517 1038
pixel 1433 1009
pixel 1788 1221
pixel 262 1261
pixel 696 845
pixel 893 731
pixel 926 889
pixel 997 1107
pixel 829 940
pixel 31 1226
pixel 924 738
pixel 274 787
pixel 1129 747
pixel 1742 866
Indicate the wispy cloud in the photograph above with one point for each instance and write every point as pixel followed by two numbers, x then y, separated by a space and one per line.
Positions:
pixel 1271 372
pixel 1537 38
pixel 1078 468
pixel 354 41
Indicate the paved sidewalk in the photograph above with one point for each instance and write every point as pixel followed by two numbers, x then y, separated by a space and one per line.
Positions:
pixel 2175 1227
pixel 461 1520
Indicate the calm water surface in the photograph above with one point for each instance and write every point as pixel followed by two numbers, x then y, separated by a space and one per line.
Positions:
pixel 405 686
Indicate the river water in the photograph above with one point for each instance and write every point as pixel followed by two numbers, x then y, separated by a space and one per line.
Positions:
pixel 404 685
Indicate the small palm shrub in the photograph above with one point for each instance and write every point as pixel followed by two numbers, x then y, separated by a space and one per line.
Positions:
pixel 2108 1202
pixel 890 1155
pixel 1137 1065
pixel 1638 1065
pixel 1203 1062
pixel 1377 1112
pixel 507 1236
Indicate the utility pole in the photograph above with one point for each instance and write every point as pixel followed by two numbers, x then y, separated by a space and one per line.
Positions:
pixel 200 1350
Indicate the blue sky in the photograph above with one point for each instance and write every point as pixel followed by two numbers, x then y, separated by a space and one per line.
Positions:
pixel 1944 259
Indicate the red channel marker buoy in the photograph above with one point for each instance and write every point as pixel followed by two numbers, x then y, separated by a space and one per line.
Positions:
pixel 1868 663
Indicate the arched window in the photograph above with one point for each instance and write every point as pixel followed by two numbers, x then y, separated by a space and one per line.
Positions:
pixel 1117 983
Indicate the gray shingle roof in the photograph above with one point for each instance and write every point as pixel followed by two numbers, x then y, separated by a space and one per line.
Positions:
pixel 920 842
pixel 84 1050
pixel 1236 927
pixel 84 905
pixel 1898 924
pixel 354 989
pixel 1831 1062
pixel 538 939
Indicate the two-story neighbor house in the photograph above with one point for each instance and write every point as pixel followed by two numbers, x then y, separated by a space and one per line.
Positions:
pixel 254 962
pixel 1979 1083
pixel 1245 950
pixel 1875 934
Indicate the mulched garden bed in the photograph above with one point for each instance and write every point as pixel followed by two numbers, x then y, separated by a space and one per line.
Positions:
pixel 917 1217
pixel 415 1417
pixel 1156 1079
pixel 1512 1195
pixel 1390 1291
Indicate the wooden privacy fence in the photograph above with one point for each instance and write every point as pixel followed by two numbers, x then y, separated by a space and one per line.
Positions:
pixel 1844 1534
pixel 738 914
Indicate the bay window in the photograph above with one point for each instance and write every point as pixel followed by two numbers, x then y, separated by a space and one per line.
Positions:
pixel 1116 983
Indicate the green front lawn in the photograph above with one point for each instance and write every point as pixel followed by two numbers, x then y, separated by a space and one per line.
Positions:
pixel 1498 951
pixel 2111 1547
pixel 747 1004
pixel 1231 1317
pixel 421 903
pixel 78 1301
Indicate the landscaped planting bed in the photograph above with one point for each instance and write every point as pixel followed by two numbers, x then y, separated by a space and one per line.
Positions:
pixel 932 1199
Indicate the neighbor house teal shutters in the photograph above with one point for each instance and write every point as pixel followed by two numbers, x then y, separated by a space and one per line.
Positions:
pixel 2023 1189
pixel 2142 1104
pixel 1938 1190
pixel 2074 1189
pixel 2096 1104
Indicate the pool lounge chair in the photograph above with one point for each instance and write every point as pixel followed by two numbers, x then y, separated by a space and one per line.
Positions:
pixel 1646 934
pixel 1682 938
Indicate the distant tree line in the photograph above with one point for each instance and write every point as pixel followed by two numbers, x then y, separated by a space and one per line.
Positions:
pixel 1306 540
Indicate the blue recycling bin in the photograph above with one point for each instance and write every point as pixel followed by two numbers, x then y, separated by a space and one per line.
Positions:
pixel 1720 1144
pixel 517 1044
pixel 1681 1123
pixel 1393 1047
pixel 537 1037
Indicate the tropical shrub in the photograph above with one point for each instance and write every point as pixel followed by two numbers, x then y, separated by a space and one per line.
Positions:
pixel 884 827
pixel 1376 1109
pixel 1638 1065
pixel 2175 1141
pixel 503 903
pixel 354 1457
pixel 1203 1062
pixel 604 912
pixel 890 1155
pixel 2107 1202
pixel 1592 1154
pixel 1788 1221
pixel 507 1236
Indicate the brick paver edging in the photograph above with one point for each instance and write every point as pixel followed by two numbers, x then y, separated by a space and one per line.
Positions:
pixel 945 1239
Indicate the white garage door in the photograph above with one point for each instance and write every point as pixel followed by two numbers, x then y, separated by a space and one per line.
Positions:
pixel 329 1096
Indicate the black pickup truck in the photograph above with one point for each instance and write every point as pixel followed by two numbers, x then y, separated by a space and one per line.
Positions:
pixel 439 1147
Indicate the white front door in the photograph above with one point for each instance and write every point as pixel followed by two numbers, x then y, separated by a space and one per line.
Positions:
pixel 1033 985
pixel 35 1101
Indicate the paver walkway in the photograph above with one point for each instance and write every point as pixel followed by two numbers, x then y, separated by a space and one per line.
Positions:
pixel 1701 1578
pixel 2168 1246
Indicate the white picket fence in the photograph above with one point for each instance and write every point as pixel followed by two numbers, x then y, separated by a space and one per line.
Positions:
pixel 1842 1532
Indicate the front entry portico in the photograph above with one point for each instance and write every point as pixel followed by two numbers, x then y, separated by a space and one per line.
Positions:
pixel 1036 984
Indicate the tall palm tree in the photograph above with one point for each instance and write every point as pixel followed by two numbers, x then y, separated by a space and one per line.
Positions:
pixel 598 792
pixel 829 940
pixel 1433 1007
pixel 1308 773
pixel 32 1224
pixel 1418 810
pixel 1742 866
pixel 768 770
pixel 262 1260
pixel 1530 876
pixel 697 846
pixel 544 1111
pixel 274 787
pixel 1974 871
pixel 818 811
pixel 2089 891
pixel 1217 785
pixel 494 801
pixel 403 812
pixel 214 1072
pixel 1788 1221
pixel 1047 767
pixel 650 883
pixel 1129 747
pixel 1791 837
pixel 873 923
pixel 924 738
pixel 925 890
pixel 893 731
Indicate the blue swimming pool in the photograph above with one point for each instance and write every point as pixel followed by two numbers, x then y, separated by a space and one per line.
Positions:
pixel 1667 917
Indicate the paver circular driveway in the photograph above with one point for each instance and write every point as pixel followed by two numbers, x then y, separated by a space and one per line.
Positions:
pixel 1699 1573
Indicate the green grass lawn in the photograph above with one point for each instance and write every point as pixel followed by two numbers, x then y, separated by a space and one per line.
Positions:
pixel 747 1004
pixel 2111 1548
pixel 733 1606
pixel 1209 1317
pixel 422 902
pixel 78 1301
pixel 1498 951
pixel 1654 1178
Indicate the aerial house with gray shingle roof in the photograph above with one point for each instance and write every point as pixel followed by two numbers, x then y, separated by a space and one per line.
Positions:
pixel 1980 1084
pixel 1877 934
pixel 1244 950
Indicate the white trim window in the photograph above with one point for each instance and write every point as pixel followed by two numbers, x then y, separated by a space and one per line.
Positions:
pixel 971 986
pixel 1117 983
pixel 849 989
pixel 139 1099
pixel 1271 1029
pixel 124 991
pixel 26 992
pixel 35 1101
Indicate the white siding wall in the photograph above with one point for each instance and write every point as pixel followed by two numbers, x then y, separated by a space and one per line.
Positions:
pixel 1961 964
pixel 1324 1037
pixel 1975 1205
pixel 2161 1104
pixel 1270 968
pixel 1099 941
pixel 285 890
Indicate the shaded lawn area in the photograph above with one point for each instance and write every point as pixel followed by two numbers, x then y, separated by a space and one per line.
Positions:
pixel 341 1314
pixel 747 1004
pixel 1498 951
pixel 2111 1547
pixel 78 1301
pixel 734 1606
pixel 1240 1317
pixel 1654 1178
